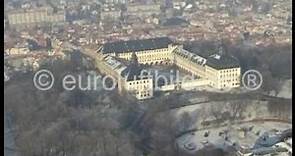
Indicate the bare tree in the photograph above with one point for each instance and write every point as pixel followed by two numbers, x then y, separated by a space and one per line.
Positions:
pixel 237 108
pixel 185 122
pixel 216 110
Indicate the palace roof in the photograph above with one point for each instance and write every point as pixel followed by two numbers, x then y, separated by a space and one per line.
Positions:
pixel 136 45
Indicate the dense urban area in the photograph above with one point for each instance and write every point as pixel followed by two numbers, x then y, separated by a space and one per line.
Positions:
pixel 208 116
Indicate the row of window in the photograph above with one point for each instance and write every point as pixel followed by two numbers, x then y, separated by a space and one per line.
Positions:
pixel 230 80
pixel 145 59
pixel 152 60
pixel 139 87
pixel 147 51
pixel 166 55
pixel 155 55
pixel 143 94
pixel 139 82
pixel 229 70
pixel 229 75
pixel 233 84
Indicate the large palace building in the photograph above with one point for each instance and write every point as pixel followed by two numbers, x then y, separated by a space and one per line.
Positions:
pixel 217 70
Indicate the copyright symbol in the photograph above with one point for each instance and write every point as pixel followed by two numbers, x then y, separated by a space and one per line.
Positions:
pixel 43 80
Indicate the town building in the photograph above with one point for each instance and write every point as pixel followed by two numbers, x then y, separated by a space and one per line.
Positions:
pixel 35 17
pixel 110 15
pixel 116 1
pixel 18 51
pixel 143 10
pixel 223 72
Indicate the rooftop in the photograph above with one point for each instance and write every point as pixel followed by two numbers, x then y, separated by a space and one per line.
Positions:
pixel 133 71
pixel 217 61
pixel 191 56
pixel 115 64
pixel 136 45
pixel 222 61
pixel 175 21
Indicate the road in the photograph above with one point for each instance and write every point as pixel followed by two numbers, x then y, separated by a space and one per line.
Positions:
pixel 215 97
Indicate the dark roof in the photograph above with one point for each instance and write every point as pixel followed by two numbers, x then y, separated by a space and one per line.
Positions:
pixel 224 62
pixel 175 21
pixel 133 70
pixel 132 73
pixel 201 52
pixel 136 45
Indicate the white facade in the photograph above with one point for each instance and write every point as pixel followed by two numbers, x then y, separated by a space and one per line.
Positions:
pixel 143 89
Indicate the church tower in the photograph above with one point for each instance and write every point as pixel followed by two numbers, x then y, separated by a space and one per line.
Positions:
pixel 134 60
